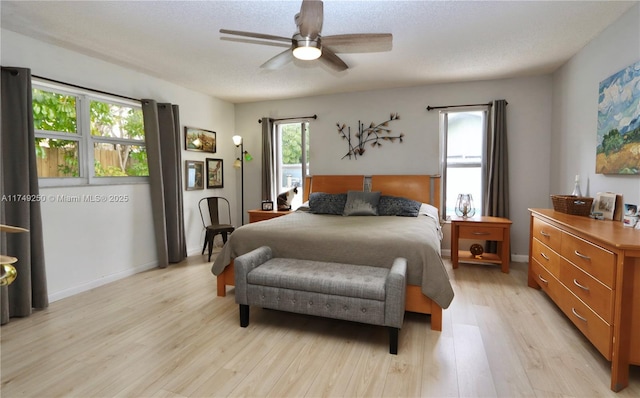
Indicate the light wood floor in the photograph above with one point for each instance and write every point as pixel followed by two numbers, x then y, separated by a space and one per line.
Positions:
pixel 164 333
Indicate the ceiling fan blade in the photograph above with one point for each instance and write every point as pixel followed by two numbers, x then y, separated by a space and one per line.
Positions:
pixel 359 42
pixel 255 35
pixel 279 60
pixel 332 60
pixel 248 40
pixel 309 20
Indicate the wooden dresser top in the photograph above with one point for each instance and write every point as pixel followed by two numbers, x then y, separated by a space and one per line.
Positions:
pixel 611 233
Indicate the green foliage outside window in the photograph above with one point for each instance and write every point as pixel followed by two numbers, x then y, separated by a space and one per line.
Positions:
pixel 292 144
pixel 56 113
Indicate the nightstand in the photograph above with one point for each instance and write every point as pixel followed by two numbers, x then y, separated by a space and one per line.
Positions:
pixel 261 215
pixel 481 228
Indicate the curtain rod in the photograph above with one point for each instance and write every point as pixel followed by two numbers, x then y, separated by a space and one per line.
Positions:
pixel 86 88
pixel 454 106
pixel 292 118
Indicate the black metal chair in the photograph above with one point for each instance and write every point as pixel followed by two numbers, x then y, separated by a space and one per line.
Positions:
pixel 211 224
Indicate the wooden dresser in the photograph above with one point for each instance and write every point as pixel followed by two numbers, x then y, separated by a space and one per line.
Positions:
pixel 591 270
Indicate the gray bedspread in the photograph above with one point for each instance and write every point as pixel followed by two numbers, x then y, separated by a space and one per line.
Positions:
pixel 374 240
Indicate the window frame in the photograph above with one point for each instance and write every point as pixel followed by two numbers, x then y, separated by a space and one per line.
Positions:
pixel 304 128
pixel 86 158
pixel 444 134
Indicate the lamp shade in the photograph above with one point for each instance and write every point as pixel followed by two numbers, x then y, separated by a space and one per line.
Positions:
pixel 237 140
pixel 237 163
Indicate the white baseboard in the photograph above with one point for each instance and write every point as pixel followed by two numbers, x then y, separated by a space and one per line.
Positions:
pixel 99 282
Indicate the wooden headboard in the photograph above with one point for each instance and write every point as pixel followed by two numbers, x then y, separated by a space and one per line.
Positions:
pixel 423 188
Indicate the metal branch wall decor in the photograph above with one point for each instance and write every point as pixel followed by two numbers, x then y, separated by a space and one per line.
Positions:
pixel 372 135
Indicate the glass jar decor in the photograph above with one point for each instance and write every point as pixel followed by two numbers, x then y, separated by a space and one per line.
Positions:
pixel 464 205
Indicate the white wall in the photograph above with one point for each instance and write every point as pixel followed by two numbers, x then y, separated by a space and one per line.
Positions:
pixel 529 129
pixel 575 103
pixel 89 244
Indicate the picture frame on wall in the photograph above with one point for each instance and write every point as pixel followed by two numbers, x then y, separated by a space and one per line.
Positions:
pixel 215 173
pixel 200 140
pixel 194 174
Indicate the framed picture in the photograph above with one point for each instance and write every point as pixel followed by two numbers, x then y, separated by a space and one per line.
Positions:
pixel 605 203
pixel 199 140
pixel 214 173
pixel 194 174
pixel 618 123
pixel 267 205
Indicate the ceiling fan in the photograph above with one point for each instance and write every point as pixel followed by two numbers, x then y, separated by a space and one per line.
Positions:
pixel 307 43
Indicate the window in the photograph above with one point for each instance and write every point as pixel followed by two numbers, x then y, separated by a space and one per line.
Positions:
pixel 463 148
pixel 291 139
pixel 85 138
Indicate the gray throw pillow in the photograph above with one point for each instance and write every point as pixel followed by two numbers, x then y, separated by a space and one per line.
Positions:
pixel 327 203
pixel 361 203
pixel 398 206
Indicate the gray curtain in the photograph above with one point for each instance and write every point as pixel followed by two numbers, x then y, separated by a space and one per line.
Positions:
pixel 268 159
pixel 496 201
pixel 19 180
pixel 162 132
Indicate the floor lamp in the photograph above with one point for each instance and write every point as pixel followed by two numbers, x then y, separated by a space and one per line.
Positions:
pixel 239 163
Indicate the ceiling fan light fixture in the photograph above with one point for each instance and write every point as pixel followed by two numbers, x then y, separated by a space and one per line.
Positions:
pixel 307 49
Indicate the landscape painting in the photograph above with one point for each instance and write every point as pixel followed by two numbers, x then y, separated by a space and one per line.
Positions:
pixel 618 149
pixel 199 140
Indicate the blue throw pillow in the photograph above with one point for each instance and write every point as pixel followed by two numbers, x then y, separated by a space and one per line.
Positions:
pixel 327 203
pixel 361 203
pixel 398 206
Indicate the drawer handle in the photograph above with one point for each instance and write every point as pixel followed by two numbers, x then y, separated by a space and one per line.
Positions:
pixel 546 282
pixel 578 315
pixel 480 233
pixel 545 256
pixel 582 255
pixel 583 287
pixel 546 235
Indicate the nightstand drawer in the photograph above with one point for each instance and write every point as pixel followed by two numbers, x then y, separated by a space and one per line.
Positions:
pixel 594 260
pixel 481 232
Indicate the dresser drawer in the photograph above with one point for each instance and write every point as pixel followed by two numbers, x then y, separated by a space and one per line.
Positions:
pixel 547 234
pixel 599 332
pixel 480 232
pixel 547 257
pixel 547 282
pixel 596 261
pixel 593 293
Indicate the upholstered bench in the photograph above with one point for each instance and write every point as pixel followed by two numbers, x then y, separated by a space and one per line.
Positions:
pixel 360 293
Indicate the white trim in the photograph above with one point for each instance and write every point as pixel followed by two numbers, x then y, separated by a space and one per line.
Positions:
pixel 100 282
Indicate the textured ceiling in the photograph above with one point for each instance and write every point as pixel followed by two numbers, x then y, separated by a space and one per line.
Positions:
pixel 433 41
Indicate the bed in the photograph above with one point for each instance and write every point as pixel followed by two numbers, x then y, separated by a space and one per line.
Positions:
pixel 374 240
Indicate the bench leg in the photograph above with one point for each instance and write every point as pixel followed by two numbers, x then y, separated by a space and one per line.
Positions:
pixel 393 340
pixel 244 315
